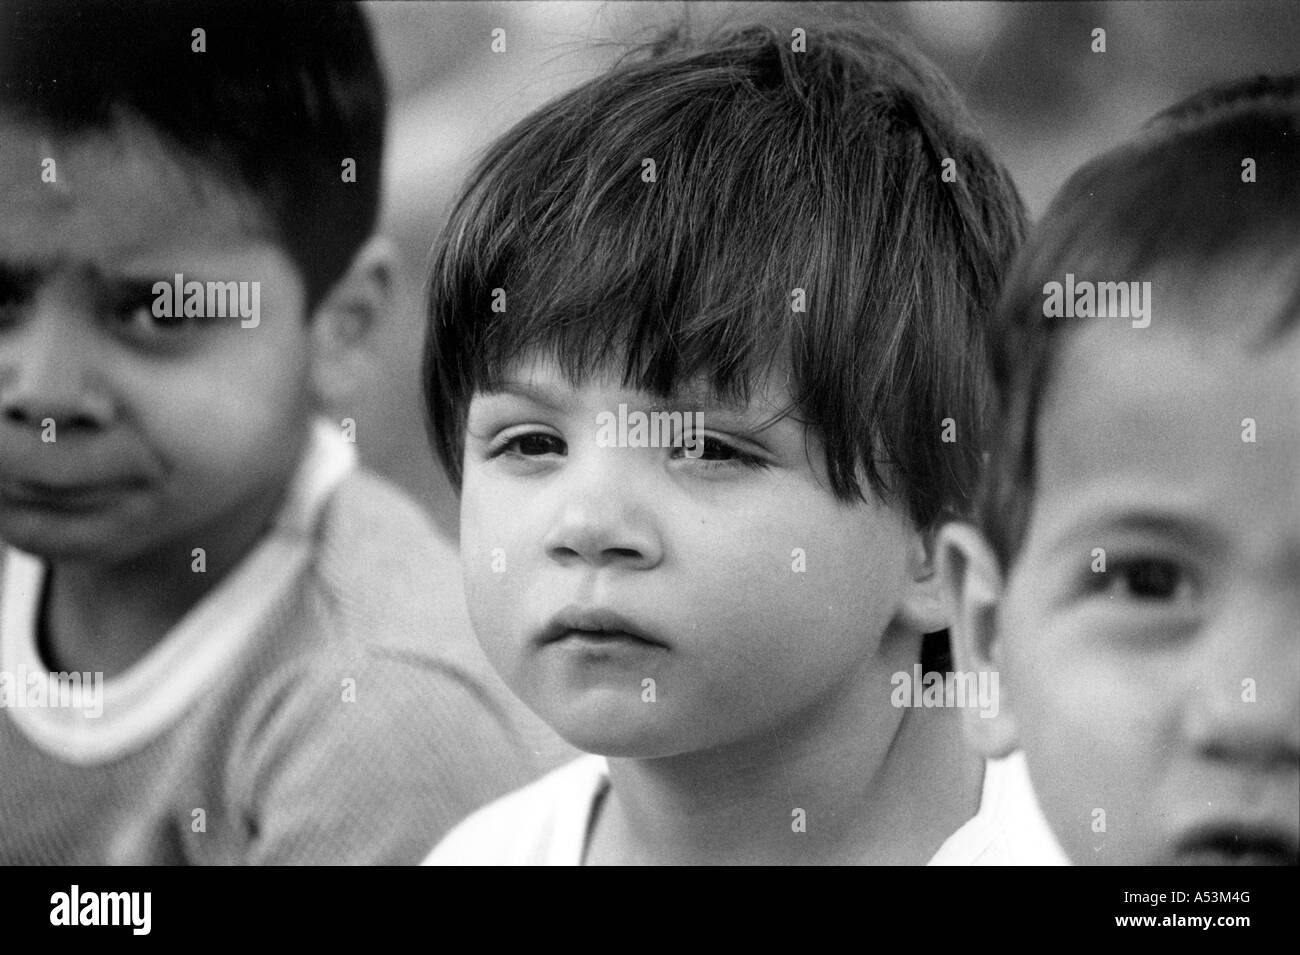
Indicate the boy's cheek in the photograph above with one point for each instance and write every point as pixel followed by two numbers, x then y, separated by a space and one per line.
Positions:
pixel 493 567
pixel 1067 670
pixel 222 429
pixel 486 567
pixel 487 541
pixel 1093 730
pixel 1104 800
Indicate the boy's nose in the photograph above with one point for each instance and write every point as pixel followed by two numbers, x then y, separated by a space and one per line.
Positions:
pixel 604 524
pixel 44 377
pixel 1243 704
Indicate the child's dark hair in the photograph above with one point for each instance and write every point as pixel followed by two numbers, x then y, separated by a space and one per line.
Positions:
pixel 282 93
pixel 1209 187
pixel 774 171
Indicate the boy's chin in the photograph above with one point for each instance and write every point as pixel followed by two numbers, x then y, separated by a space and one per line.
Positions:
pixel 618 728
pixel 91 541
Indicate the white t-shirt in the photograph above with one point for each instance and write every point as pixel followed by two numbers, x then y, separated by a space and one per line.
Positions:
pixel 1009 828
pixel 547 822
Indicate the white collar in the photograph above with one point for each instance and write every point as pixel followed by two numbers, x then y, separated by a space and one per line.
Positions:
pixel 155 690
pixel 1009 828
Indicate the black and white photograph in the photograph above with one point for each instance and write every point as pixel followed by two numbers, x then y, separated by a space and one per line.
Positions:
pixel 571 433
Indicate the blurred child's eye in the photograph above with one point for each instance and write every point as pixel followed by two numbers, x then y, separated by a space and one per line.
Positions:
pixel 1146 579
pixel 528 444
pixel 15 291
pixel 139 321
pixel 10 294
pixel 130 308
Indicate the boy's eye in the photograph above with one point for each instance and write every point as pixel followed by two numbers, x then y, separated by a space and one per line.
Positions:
pixel 717 452
pixel 15 291
pixel 529 444
pixel 135 318
pixel 10 295
pixel 130 305
pixel 1147 579
pixel 142 316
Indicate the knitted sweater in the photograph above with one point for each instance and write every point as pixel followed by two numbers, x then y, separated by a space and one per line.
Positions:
pixel 325 703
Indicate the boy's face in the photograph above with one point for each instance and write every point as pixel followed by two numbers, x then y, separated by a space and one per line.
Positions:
pixel 120 432
pixel 1156 700
pixel 721 595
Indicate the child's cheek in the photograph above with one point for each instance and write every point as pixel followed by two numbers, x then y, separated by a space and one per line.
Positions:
pixel 1093 726
pixel 485 554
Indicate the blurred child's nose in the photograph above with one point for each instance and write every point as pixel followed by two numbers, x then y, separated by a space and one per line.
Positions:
pixel 602 517
pixel 1243 702
pixel 46 375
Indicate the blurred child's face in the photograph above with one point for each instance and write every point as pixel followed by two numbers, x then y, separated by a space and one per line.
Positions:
pixel 646 602
pixel 122 432
pixel 1156 701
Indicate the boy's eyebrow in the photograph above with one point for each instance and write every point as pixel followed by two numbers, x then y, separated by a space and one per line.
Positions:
pixel 551 397
pixel 23 276
pixel 538 394
pixel 129 289
pixel 28 270
pixel 1120 518
pixel 705 400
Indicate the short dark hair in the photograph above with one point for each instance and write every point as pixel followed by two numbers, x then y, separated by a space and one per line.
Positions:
pixel 775 170
pixel 283 93
pixel 1174 205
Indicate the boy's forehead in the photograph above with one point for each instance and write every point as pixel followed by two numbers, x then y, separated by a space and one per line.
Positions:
pixel 112 198
pixel 1230 301
pixel 1165 416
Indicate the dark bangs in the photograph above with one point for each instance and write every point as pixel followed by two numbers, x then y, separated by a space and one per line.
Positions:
pixel 796 221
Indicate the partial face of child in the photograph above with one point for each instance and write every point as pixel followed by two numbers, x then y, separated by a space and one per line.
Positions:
pixel 123 433
pixel 647 601
pixel 1150 628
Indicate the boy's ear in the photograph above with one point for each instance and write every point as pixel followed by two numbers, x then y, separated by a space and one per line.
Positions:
pixel 925 608
pixel 973 585
pixel 344 326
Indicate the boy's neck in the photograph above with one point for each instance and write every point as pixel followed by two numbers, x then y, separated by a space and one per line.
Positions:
pixel 105 617
pixel 866 799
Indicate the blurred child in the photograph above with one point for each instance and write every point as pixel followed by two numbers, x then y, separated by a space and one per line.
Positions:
pixel 1137 582
pixel 219 641
pixel 697 332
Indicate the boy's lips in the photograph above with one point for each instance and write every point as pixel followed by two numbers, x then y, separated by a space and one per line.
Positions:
pixel 65 498
pixel 1228 843
pixel 70 466
pixel 595 624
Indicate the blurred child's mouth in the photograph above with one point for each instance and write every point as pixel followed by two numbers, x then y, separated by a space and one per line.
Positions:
pixel 63 499
pixel 1245 845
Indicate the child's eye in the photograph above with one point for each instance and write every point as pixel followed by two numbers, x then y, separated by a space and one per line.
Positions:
pixel 1146 579
pixel 10 295
pixel 140 325
pixel 141 317
pixel 528 444
pixel 128 305
pixel 14 293
pixel 715 452
pixel 131 314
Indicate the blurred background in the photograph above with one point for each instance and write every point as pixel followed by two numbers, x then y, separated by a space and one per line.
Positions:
pixel 1043 99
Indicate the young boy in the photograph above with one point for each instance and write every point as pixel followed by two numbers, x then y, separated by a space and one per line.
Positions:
pixel 1137 582
pixel 698 330
pixel 219 642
